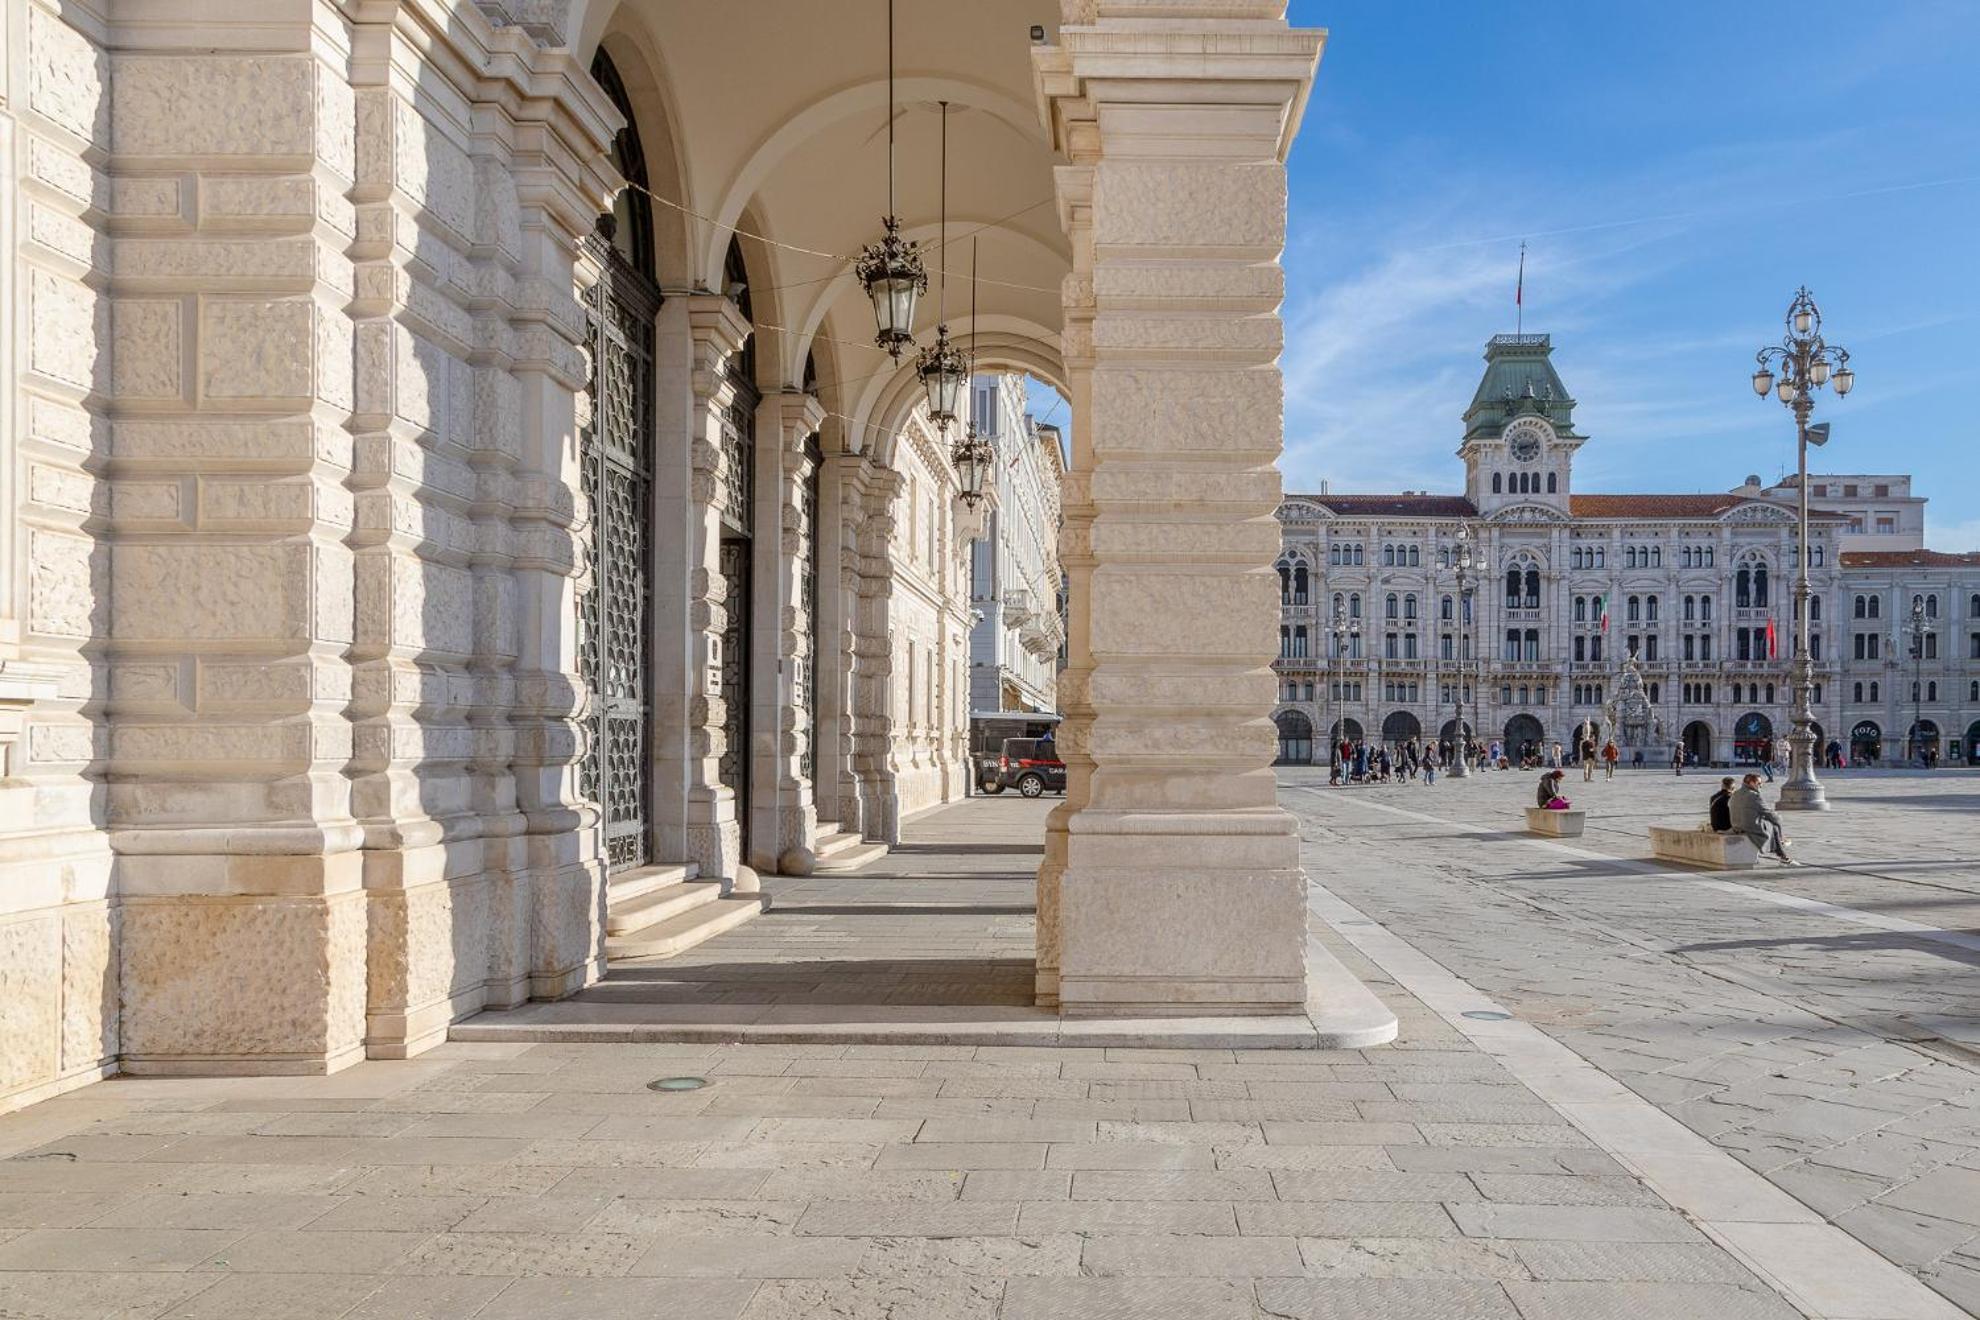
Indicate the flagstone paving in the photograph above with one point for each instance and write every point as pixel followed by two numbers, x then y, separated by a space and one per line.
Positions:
pixel 1422 1179
pixel 1839 1059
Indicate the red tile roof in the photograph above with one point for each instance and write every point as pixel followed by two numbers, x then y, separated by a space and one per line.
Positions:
pixel 1396 506
pixel 1909 559
pixel 1673 506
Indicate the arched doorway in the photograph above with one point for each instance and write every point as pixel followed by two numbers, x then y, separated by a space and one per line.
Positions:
pixel 1752 735
pixel 1973 743
pixel 1589 730
pixel 1866 743
pixel 1401 727
pixel 1922 739
pixel 1524 736
pixel 1295 738
pixel 617 457
pixel 1448 735
pixel 1697 740
pixel 1349 729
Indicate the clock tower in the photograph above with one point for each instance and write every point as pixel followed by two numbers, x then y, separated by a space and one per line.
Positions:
pixel 1519 436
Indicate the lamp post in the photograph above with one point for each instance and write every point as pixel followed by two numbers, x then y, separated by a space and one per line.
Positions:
pixel 1464 565
pixel 1806 363
pixel 1918 630
pixel 1344 630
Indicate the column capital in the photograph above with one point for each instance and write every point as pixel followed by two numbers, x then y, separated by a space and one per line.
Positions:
pixel 719 331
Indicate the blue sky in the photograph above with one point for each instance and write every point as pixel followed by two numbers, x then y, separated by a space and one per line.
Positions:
pixel 1676 170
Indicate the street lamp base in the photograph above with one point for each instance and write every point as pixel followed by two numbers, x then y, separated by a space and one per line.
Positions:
pixel 1806 796
pixel 1458 771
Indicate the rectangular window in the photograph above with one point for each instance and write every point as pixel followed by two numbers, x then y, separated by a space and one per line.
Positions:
pixel 1931 646
pixel 1886 525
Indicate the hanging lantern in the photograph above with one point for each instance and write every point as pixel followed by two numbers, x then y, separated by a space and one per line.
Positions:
pixel 895 279
pixel 944 373
pixel 972 459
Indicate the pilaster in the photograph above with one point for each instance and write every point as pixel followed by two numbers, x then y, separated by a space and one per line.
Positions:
pixel 1171 882
pixel 786 825
pixel 873 710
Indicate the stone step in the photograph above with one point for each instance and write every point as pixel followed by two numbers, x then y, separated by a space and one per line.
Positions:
pixel 657 905
pixel 850 857
pixel 628 885
pixel 683 931
pixel 832 841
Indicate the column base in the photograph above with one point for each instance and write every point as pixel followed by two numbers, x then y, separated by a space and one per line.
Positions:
pixel 1182 915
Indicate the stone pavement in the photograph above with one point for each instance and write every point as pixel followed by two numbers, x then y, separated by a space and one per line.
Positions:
pixel 920 1182
pixel 1819 1024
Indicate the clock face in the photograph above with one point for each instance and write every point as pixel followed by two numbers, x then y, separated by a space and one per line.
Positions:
pixel 1525 446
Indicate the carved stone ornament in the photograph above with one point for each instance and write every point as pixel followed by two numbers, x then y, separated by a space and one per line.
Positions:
pixel 1528 513
pixel 1757 512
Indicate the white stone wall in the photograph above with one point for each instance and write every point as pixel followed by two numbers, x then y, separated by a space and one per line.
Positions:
pixel 289 393
pixel 1014 569
pixel 928 628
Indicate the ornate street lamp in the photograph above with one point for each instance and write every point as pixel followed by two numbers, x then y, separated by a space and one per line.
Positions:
pixel 1465 566
pixel 1345 631
pixel 1918 630
pixel 891 271
pixel 943 369
pixel 1805 363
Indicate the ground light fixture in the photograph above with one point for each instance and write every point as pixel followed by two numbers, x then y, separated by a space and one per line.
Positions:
pixel 891 271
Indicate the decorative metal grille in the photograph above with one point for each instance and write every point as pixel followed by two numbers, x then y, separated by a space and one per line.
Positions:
pixel 803 688
pixel 613 614
pixel 733 768
pixel 737 470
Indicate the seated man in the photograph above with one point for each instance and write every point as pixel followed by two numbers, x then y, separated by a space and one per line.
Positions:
pixel 1720 810
pixel 1548 795
pixel 1752 817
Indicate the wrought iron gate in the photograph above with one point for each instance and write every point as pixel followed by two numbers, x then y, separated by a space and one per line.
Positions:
pixel 616 610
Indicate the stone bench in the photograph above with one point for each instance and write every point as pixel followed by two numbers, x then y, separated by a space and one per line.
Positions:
pixel 1704 847
pixel 1555 824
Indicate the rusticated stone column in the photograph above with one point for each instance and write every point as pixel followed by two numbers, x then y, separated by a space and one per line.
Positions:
pixel 841 498
pixel 231 581
pixel 786 826
pixel 714 837
pixel 1172 884
pixel 873 689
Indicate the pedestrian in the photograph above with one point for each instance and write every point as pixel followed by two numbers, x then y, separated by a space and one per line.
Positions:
pixel 1554 758
pixel 1752 817
pixel 1610 755
pixel 1719 810
pixel 1767 758
pixel 1677 759
pixel 1587 750
pixel 1430 765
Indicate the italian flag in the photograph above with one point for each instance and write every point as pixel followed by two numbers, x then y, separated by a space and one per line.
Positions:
pixel 1771 647
pixel 1602 611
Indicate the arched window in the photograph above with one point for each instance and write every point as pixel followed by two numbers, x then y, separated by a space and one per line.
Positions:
pixel 1932 690
pixel 1876 606
pixel 1656 556
pixel 1857 694
pixel 1743 589
pixel 1814 607
pixel 632 209
pixel 1690 608
pixel 1389 606
pixel 1354 605
pixel 1581 609
pixel 1532 588
pixel 1388 556
pixel 1973 607
pixel 1650 606
pixel 1932 606
pixel 1340 602
pixel 1299 583
pixel 1705 615
pixel 1285 582
pixel 1496 485
pixel 1409 606
pixel 1633 609
pixel 1414 560
pixel 1770 694
pixel 1873 690
pixel 1629 556
pixel 1552 485
pixel 1760 587
pixel 1512 588
pixel 1357 557
pixel 1444 609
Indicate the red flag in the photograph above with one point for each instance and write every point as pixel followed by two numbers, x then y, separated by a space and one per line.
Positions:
pixel 1519 289
pixel 1770 637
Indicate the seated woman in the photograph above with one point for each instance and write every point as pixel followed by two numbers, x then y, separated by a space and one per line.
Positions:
pixel 1548 795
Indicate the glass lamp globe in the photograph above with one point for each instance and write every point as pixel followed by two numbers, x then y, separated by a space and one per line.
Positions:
pixel 1763 381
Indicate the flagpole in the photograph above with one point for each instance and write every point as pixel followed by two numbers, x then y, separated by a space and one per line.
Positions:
pixel 1519 295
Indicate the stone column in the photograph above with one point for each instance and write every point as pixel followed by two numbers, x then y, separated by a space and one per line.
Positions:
pixel 873 660
pixel 231 581
pixel 1174 883
pixel 714 838
pixel 785 674
pixel 836 677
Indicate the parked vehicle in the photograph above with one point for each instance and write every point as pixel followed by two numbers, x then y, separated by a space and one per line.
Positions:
pixel 1031 766
pixel 989 730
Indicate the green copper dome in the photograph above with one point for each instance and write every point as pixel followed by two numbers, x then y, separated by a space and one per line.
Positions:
pixel 1519 381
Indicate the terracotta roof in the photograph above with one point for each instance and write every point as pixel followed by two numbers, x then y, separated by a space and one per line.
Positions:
pixel 1396 506
pixel 1671 506
pixel 1909 559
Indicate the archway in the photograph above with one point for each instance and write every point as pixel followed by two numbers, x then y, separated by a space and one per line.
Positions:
pixel 1524 736
pixel 1448 735
pixel 1922 740
pixel 1697 740
pixel 1589 730
pixel 1866 743
pixel 1972 750
pixel 1401 727
pixel 1295 738
pixel 1347 728
pixel 1752 736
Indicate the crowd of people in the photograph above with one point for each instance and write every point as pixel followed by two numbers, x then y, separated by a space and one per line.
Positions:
pixel 1357 762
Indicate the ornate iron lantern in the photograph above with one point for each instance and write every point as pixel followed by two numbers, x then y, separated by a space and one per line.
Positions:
pixel 891 271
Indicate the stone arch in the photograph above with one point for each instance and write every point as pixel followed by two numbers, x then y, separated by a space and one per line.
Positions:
pixel 1866 742
pixel 888 400
pixel 1346 726
pixel 1521 729
pixel 641 70
pixel 1697 740
pixel 1295 737
pixel 1401 727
